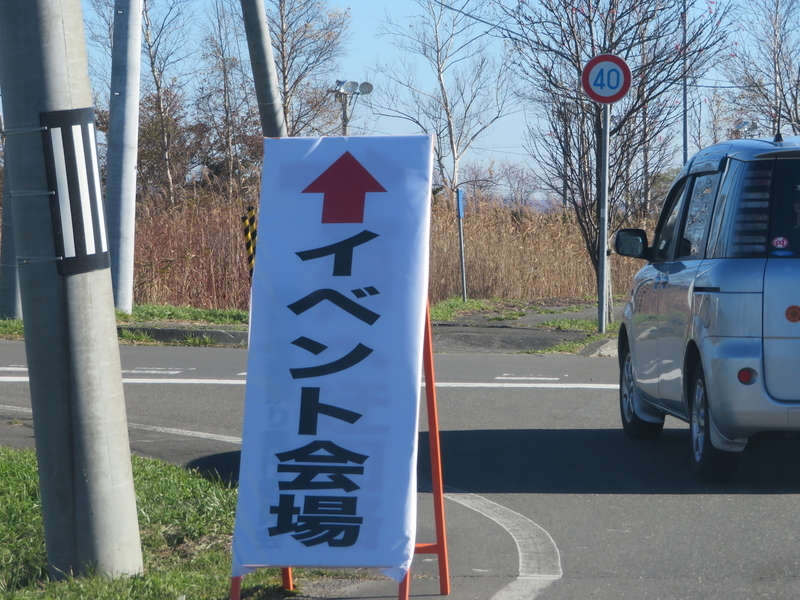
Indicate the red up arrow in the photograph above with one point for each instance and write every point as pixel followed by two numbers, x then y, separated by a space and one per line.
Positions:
pixel 345 185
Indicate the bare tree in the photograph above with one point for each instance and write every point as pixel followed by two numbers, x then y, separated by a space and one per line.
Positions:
pixel 463 87
pixel 765 62
pixel 227 129
pixel 167 47
pixel 307 39
pixel 99 24
pixel 714 117
pixel 551 41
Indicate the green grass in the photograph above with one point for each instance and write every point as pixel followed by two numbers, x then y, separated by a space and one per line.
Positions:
pixel 135 336
pixel 185 520
pixel 447 310
pixel 197 341
pixel 11 329
pixel 509 316
pixel 572 347
pixel 560 310
pixel 589 326
pixel 149 313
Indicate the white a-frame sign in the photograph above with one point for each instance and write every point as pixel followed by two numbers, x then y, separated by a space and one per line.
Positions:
pixel 333 379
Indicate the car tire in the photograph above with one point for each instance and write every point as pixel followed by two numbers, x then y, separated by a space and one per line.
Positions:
pixel 710 464
pixel 632 424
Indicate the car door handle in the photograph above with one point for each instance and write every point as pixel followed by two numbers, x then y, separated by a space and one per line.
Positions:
pixel 662 279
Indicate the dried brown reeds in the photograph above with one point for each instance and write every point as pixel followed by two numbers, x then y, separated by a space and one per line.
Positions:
pixel 191 256
pixel 196 256
pixel 515 253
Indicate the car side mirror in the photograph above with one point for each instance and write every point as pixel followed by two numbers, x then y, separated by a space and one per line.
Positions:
pixel 633 243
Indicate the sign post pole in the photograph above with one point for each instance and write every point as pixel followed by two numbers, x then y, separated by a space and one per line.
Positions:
pixel 606 79
pixel 602 291
pixel 460 215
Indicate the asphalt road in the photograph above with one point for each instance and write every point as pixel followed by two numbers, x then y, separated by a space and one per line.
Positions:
pixel 542 482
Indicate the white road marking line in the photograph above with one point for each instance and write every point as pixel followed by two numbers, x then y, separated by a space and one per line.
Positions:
pixel 155 428
pixel 188 433
pixel 165 381
pixel 16 408
pixel 564 386
pixel 440 384
pixel 136 371
pixel 183 381
pixel 539 558
pixel 516 378
pixel 151 371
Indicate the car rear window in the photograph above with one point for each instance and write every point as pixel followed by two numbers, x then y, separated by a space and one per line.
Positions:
pixel 784 228
pixel 762 216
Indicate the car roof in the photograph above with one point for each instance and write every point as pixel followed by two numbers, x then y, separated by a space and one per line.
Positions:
pixel 710 158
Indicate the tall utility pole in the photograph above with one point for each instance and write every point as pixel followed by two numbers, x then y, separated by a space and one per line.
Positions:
pixel 123 136
pixel 10 304
pixel 261 60
pixel 88 501
pixel 685 86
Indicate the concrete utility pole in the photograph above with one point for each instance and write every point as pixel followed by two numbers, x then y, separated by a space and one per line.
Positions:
pixel 266 79
pixel 123 137
pixel 10 304
pixel 80 424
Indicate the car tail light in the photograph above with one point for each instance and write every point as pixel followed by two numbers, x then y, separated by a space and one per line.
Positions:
pixel 745 376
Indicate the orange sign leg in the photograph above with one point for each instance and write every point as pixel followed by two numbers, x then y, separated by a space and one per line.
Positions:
pixel 286 576
pixel 440 547
pixel 236 588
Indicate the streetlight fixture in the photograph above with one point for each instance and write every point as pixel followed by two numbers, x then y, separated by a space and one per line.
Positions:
pixel 347 92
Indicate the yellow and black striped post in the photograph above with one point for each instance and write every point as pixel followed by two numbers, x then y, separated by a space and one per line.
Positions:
pixel 249 225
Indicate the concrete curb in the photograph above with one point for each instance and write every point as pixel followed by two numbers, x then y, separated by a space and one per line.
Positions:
pixel 600 348
pixel 471 334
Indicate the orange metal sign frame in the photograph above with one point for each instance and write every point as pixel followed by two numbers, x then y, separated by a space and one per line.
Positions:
pixel 440 546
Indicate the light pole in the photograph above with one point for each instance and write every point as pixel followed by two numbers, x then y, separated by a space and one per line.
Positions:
pixel 347 92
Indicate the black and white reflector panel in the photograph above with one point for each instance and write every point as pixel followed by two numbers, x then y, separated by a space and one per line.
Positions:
pixel 73 175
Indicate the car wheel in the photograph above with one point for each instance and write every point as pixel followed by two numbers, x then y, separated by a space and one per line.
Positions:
pixel 634 426
pixel 710 463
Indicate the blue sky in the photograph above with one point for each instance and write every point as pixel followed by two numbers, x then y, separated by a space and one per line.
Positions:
pixel 502 142
pixel 365 48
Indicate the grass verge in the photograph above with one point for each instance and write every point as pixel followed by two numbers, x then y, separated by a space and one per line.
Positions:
pixel 186 522
pixel 154 313
pixel 447 310
pixel 135 336
pixel 11 329
pixel 589 326
pixel 197 341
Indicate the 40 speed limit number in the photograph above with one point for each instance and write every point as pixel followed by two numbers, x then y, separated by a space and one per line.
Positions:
pixel 606 78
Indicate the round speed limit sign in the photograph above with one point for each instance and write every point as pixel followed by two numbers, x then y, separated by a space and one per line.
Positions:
pixel 606 78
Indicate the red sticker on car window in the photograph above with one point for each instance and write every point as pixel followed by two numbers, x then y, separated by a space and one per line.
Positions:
pixel 793 313
pixel 780 242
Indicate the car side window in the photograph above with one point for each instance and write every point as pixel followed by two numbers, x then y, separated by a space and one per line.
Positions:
pixel 698 215
pixel 722 208
pixel 665 238
pixel 741 229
